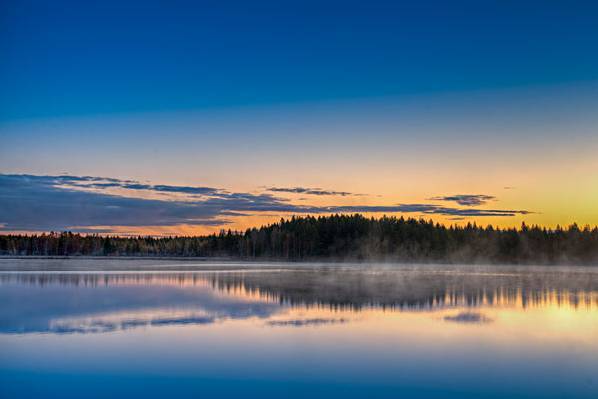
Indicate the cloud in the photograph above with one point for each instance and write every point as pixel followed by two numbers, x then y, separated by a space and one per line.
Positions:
pixel 428 209
pixel 86 203
pixel 310 191
pixel 466 199
pixel 60 202
pixel 103 182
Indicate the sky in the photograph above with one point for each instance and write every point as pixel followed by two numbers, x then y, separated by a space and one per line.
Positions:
pixel 187 117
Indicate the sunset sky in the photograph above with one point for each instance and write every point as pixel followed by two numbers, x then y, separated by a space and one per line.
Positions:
pixel 186 117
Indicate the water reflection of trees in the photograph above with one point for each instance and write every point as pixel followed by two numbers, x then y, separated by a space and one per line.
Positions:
pixel 356 289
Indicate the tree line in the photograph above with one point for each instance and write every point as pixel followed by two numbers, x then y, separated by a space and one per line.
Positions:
pixel 338 238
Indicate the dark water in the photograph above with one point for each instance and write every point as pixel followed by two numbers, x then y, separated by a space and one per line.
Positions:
pixel 140 328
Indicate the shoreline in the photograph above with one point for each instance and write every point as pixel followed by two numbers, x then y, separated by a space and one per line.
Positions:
pixel 208 263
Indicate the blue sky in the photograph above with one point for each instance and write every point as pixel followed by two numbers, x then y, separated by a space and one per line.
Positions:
pixel 90 58
pixel 402 102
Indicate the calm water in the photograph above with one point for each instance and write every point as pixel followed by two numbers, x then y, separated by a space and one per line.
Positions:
pixel 103 328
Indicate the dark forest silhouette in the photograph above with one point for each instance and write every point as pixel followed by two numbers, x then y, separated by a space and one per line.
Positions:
pixel 338 237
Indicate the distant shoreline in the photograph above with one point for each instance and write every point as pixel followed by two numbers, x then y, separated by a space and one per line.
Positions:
pixel 330 239
pixel 273 261
pixel 130 257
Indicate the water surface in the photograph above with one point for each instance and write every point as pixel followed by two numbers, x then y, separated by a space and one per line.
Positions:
pixel 122 328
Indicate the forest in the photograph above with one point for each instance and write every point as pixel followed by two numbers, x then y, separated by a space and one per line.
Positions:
pixel 337 238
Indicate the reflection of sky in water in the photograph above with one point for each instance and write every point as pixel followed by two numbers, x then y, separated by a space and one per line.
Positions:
pixel 441 331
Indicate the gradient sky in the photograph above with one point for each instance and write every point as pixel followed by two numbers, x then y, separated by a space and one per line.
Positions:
pixel 457 111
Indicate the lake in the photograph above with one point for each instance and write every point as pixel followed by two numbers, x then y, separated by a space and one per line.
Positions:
pixel 108 328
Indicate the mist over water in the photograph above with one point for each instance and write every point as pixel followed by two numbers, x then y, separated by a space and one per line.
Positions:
pixel 203 329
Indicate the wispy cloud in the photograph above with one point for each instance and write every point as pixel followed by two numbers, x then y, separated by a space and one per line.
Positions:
pixel 310 191
pixel 429 209
pixel 88 182
pixel 82 203
pixel 466 199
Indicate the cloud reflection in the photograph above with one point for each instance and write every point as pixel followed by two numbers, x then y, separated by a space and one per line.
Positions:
pixel 468 318
pixel 95 326
pixel 305 322
pixel 77 302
